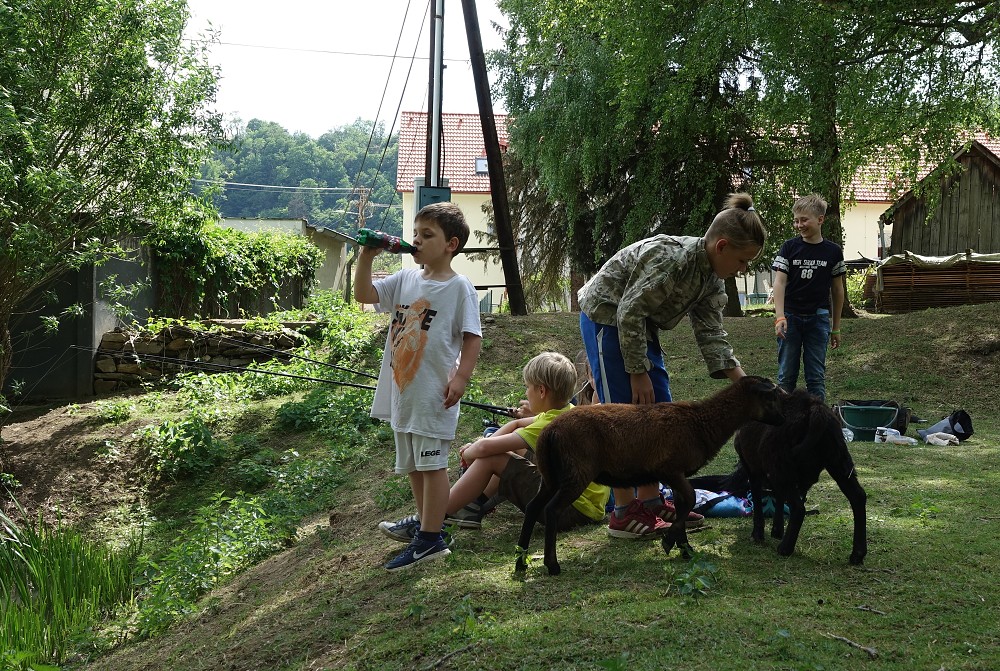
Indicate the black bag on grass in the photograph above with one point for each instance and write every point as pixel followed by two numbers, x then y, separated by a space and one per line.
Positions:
pixel 958 424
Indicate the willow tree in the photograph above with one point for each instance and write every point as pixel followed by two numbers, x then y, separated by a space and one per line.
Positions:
pixel 628 116
pixel 843 84
pixel 102 122
pixel 638 117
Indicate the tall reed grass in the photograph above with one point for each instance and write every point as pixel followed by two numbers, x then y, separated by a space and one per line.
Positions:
pixel 54 585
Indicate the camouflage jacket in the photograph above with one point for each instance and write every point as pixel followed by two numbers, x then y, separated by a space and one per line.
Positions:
pixel 651 285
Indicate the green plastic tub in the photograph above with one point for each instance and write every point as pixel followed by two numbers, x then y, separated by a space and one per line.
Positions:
pixel 864 419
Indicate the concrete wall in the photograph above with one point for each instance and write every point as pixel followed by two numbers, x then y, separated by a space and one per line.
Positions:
pixel 860 223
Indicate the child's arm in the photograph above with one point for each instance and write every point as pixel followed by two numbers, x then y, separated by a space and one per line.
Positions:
pixel 364 290
pixel 780 325
pixel 471 344
pixel 838 291
pixel 501 442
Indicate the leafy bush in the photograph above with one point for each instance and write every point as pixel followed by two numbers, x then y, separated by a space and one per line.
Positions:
pixel 855 280
pixel 207 269
pixel 226 536
pixel 182 448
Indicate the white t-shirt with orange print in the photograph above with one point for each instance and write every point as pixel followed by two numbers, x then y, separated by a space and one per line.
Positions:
pixel 429 318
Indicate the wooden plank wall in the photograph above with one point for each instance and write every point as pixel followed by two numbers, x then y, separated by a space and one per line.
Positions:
pixel 967 216
pixel 907 288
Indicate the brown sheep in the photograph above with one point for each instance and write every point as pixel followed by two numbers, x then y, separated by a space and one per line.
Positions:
pixel 629 445
pixel 789 459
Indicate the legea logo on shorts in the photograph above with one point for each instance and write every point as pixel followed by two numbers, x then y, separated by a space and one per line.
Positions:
pixel 430 453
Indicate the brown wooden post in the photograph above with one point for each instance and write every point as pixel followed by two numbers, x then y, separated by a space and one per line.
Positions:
pixel 498 185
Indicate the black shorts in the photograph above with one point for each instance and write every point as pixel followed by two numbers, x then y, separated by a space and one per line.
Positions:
pixel 520 482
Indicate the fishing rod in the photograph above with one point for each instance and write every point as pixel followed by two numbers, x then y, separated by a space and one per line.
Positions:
pixel 208 365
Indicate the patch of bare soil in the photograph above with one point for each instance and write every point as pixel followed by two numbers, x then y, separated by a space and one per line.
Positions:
pixel 58 463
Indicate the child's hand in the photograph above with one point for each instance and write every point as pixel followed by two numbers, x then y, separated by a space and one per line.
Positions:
pixel 453 392
pixel 522 410
pixel 369 252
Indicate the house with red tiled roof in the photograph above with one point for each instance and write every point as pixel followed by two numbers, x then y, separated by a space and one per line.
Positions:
pixel 463 156
pixel 464 168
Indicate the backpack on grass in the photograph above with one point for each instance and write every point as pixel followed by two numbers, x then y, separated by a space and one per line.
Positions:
pixel 957 423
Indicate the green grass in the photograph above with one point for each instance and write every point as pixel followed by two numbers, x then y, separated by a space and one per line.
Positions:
pixel 924 599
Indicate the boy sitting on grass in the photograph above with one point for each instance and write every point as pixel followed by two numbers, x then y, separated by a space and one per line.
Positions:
pixel 503 463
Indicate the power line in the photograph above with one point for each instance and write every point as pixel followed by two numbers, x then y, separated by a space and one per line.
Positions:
pixel 334 189
pixel 326 51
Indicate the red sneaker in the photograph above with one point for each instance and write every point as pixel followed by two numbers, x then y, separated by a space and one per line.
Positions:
pixel 669 514
pixel 636 523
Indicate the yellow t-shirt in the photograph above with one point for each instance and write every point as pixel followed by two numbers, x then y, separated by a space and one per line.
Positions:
pixel 595 497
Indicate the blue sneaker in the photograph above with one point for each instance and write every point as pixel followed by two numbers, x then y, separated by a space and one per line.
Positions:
pixel 416 552
pixel 404 530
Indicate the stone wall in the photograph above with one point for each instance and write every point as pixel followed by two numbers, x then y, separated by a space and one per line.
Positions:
pixel 129 358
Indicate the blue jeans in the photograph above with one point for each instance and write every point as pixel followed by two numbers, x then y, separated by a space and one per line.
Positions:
pixel 806 338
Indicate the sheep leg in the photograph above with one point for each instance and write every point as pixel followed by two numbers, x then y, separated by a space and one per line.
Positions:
pixel 683 503
pixel 797 513
pixel 757 492
pixel 778 520
pixel 530 517
pixel 855 494
pixel 562 499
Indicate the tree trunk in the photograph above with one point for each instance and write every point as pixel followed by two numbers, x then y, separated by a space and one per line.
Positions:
pixel 733 307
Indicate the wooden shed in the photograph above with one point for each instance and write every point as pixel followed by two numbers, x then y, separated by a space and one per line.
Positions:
pixel 965 216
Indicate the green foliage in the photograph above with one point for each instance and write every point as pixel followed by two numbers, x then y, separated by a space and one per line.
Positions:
pixel 226 535
pixel 206 269
pixel 115 411
pixel 695 579
pixel 855 280
pixel 102 121
pixel 54 584
pixel 326 171
pixel 182 448
pixel 395 492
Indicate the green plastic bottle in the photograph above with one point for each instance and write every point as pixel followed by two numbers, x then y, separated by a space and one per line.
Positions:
pixel 379 239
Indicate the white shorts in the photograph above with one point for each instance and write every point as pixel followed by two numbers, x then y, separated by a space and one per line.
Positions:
pixel 420 453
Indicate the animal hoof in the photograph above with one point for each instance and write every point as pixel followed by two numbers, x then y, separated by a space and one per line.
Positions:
pixel 686 551
pixel 521 566
pixel 785 552
pixel 777 533
pixel 554 569
pixel 759 540
pixel 667 544
pixel 857 560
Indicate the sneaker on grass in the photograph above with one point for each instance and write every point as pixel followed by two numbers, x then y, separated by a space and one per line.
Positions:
pixel 669 514
pixel 404 530
pixel 637 522
pixel 469 517
pixel 417 552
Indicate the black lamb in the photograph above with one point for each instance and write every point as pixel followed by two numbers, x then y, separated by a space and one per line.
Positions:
pixel 789 459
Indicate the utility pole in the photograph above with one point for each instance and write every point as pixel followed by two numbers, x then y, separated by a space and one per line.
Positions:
pixel 494 160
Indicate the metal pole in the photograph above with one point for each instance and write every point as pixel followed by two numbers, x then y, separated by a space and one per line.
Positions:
pixel 494 160
pixel 437 95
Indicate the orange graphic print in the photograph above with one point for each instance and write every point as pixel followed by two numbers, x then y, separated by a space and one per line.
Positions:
pixel 409 339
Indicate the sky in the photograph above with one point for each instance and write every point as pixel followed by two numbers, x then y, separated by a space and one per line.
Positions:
pixel 314 65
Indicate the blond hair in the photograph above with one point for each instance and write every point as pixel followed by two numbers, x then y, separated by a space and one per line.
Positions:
pixel 555 372
pixel 738 223
pixel 813 204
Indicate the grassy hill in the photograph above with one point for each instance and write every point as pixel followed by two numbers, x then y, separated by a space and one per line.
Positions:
pixel 924 599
